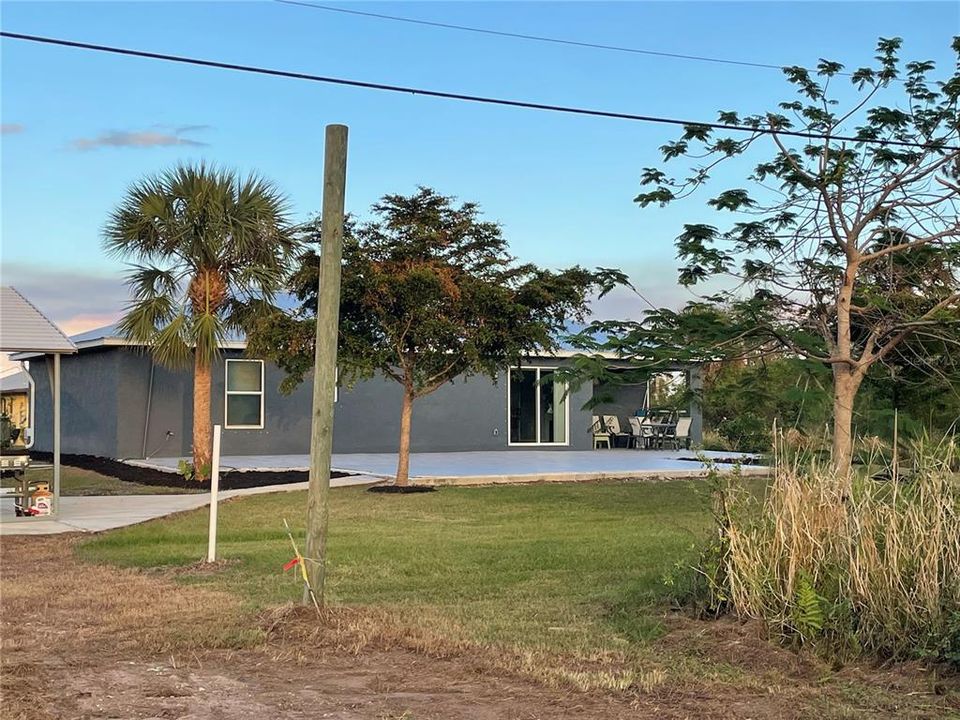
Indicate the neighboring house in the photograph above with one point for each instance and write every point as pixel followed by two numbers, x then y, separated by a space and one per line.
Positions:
pixel 15 400
pixel 118 403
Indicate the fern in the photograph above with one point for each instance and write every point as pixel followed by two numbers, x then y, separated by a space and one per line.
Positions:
pixel 807 615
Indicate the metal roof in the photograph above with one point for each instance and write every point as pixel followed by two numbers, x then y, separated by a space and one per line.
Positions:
pixel 23 328
pixel 14 382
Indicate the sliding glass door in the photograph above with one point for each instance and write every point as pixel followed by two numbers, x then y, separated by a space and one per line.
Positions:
pixel 538 407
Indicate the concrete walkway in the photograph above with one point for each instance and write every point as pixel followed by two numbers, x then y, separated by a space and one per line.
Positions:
pixel 93 514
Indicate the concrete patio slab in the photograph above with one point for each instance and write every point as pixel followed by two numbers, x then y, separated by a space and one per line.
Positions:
pixel 94 514
pixel 496 466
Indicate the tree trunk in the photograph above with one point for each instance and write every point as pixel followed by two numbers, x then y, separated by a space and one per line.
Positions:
pixel 846 377
pixel 202 425
pixel 403 461
pixel 846 382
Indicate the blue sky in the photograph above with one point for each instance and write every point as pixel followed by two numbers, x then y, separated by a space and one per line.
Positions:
pixel 79 127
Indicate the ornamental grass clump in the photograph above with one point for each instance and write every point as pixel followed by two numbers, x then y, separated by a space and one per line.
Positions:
pixel 849 564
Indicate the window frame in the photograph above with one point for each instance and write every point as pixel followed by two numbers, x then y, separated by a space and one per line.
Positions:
pixel 539 443
pixel 227 392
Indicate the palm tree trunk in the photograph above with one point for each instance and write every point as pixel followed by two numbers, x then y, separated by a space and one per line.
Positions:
pixel 202 424
pixel 403 460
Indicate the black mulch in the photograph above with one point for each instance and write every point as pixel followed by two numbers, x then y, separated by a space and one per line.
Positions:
pixel 231 480
pixel 746 460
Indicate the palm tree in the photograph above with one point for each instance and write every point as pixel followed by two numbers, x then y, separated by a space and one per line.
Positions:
pixel 209 249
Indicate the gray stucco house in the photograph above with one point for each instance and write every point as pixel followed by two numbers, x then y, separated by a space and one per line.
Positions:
pixel 118 403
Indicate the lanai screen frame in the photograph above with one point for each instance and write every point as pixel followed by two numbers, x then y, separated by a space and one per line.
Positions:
pixel 27 331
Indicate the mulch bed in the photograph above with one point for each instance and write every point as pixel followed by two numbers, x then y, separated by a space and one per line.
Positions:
pixel 231 480
pixel 746 460
pixel 401 489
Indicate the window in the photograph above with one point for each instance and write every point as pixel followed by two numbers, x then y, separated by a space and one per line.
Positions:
pixel 243 404
pixel 537 406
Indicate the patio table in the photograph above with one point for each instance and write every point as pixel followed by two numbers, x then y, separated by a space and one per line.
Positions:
pixel 660 431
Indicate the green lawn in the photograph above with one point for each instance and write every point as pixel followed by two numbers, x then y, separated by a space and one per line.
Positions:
pixel 74 481
pixel 572 566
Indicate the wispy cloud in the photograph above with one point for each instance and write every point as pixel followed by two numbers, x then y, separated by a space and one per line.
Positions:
pixel 141 138
pixel 181 129
pixel 11 128
pixel 71 298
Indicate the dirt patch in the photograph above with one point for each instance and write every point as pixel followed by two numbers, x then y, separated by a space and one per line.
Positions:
pixel 230 480
pixel 727 638
pixel 88 641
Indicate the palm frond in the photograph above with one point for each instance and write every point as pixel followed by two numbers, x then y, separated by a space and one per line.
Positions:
pixel 207 334
pixel 195 221
pixel 171 346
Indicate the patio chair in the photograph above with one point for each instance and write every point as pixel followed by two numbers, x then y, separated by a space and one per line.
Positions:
pixel 599 432
pixel 681 435
pixel 641 432
pixel 612 423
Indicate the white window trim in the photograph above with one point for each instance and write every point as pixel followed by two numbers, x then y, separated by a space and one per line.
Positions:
pixel 566 404
pixel 227 393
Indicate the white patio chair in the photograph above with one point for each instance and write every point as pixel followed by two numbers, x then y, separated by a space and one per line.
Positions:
pixel 681 435
pixel 600 435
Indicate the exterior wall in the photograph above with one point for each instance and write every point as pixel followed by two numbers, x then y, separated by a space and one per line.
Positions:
pixel 624 401
pixel 107 393
pixel 89 413
pixel 168 394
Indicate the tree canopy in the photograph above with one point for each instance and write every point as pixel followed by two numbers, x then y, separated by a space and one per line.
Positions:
pixel 843 247
pixel 429 293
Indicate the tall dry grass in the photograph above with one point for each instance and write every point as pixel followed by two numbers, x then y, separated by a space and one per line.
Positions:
pixel 855 565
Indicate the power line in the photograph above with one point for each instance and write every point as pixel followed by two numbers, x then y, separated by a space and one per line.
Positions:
pixel 535 38
pixel 567 109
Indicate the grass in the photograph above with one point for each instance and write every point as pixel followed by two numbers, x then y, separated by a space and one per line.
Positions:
pixel 561 583
pixel 75 481
pixel 573 567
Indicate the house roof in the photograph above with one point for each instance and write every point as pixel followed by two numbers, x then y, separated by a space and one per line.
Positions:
pixel 14 382
pixel 23 328
pixel 110 335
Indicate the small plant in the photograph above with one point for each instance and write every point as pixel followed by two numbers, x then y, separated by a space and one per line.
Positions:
pixel 187 471
pixel 807 614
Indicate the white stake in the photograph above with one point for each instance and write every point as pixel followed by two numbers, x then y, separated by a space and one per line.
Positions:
pixel 214 492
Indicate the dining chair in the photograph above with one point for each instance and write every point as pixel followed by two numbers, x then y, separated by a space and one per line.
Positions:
pixel 612 423
pixel 600 434
pixel 641 431
pixel 681 435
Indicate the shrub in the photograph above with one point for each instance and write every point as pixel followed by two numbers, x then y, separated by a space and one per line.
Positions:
pixel 713 440
pixel 746 432
pixel 848 566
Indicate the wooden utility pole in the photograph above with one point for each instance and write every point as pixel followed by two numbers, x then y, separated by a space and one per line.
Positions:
pixel 325 360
